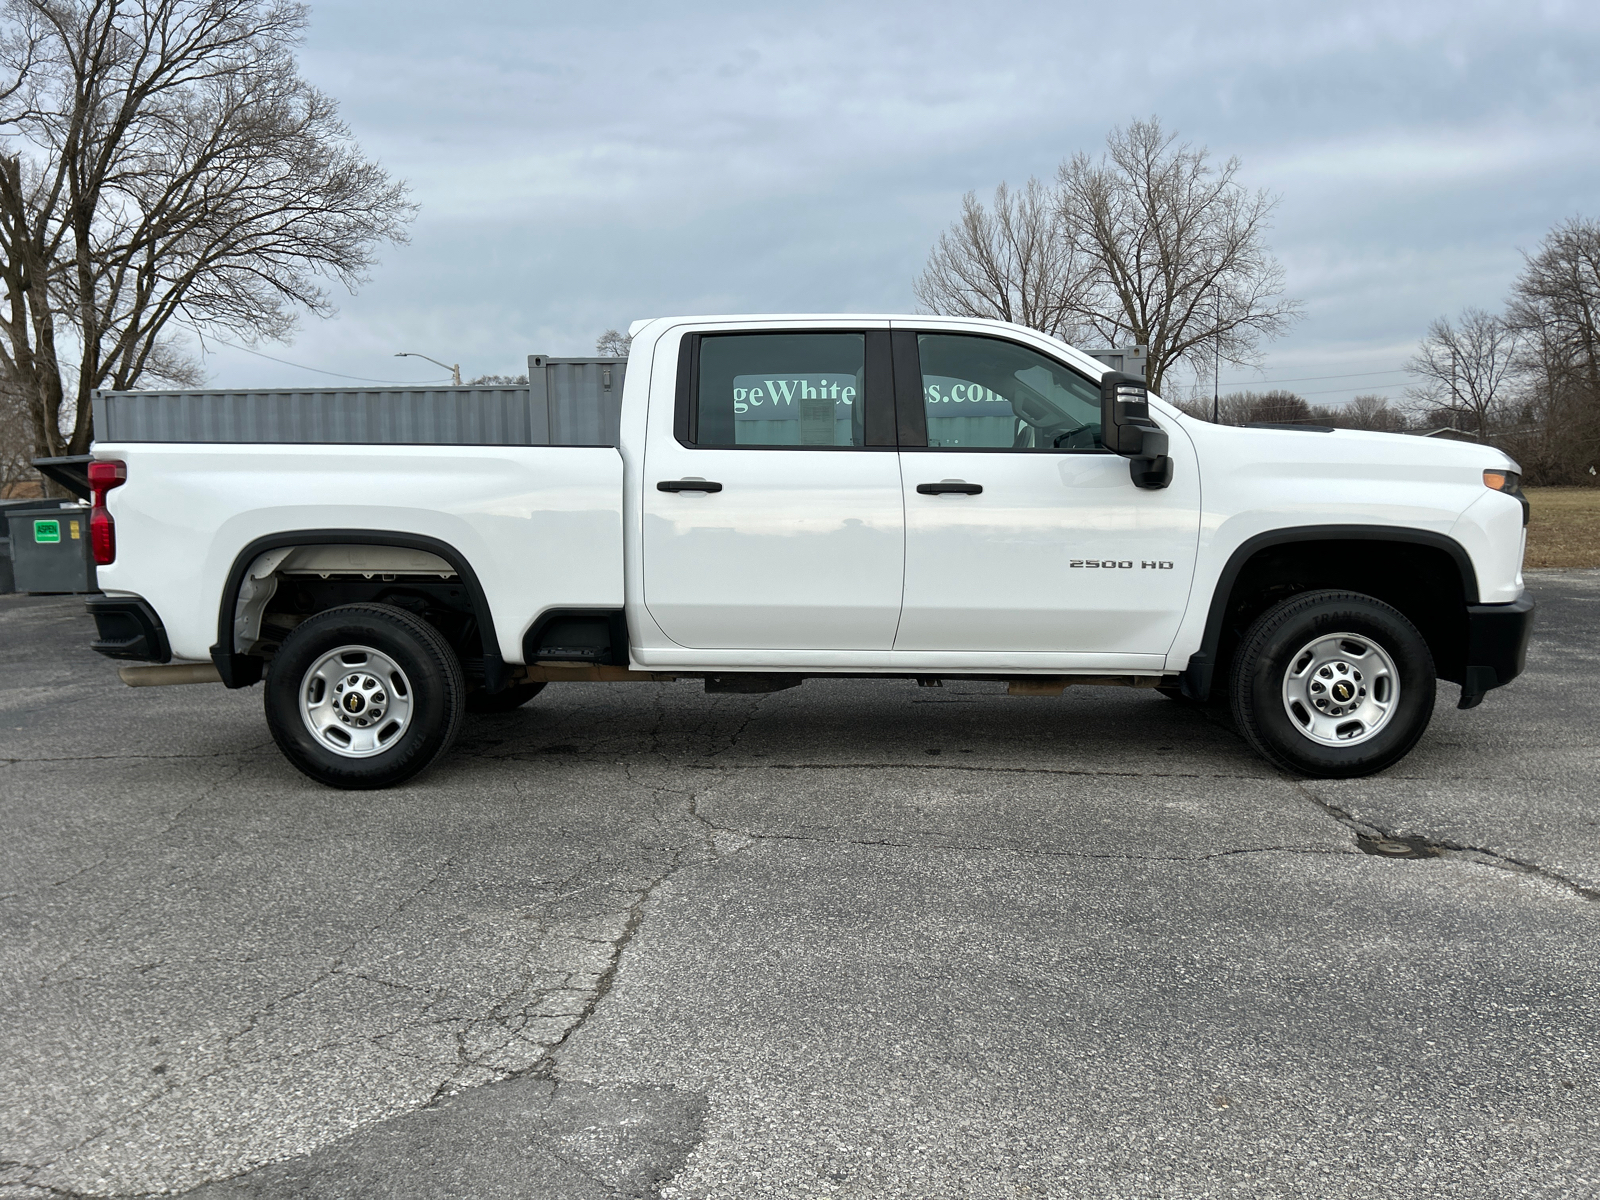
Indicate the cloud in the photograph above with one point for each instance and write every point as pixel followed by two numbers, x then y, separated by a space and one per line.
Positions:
pixel 1429 158
pixel 581 166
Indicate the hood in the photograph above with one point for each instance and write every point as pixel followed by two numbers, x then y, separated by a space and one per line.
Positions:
pixel 1284 446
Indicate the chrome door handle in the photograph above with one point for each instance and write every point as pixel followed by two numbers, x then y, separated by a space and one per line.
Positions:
pixel 949 487
pixel 688 485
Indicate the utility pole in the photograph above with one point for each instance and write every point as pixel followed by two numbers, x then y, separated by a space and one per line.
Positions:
pixel 1216 366
pixel 455 371
pixel 1456 406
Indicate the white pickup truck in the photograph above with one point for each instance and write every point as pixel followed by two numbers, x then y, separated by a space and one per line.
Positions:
pixel 783 498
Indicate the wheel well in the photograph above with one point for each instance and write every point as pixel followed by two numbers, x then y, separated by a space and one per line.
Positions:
pixel 278 581
pixel 1423 581
pixel 442 603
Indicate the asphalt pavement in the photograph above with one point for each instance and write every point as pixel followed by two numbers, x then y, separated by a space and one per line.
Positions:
pixel 856 939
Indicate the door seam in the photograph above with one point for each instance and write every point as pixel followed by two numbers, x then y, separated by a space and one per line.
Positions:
pixel 905 547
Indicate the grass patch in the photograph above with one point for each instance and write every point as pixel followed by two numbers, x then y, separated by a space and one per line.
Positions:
pixel 1564 527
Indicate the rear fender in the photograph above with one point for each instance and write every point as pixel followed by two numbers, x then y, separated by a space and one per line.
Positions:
pixel 241 670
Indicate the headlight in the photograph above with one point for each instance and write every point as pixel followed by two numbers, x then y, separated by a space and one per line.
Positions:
pixel 1510 483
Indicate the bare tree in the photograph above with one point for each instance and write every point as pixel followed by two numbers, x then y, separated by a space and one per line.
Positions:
pixel 499 381
pixel 612 344
pixel 1467 370
pixel 1009 262
pixel 1245 408
pixel 1555 309
pixel 1152 245
pixel 1175 251
pixel 1372 412
pixel 1557 297
pixel 1280 407
pixel 16 443
pixel 164 167
pixel 1231 408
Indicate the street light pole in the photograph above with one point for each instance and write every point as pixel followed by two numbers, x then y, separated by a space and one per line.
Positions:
pixel 455 371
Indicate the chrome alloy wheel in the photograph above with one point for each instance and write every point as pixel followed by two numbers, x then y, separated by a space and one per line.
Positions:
pixel 1341 689
pixel 355 701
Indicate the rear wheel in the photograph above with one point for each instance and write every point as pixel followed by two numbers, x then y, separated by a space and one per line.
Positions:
pixel 364 696
pixel 1333 685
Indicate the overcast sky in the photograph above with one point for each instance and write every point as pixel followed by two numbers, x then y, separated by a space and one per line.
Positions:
pixel 582 166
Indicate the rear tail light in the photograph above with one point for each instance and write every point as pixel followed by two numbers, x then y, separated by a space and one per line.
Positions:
pixel 103 476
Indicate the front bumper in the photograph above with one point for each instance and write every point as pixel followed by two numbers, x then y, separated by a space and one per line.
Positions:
pixel 1497 646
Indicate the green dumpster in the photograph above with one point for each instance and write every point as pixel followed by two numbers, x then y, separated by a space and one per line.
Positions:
pixel 50 549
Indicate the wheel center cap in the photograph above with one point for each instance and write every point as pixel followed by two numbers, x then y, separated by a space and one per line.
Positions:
pixel 1342 691
pixel 353 703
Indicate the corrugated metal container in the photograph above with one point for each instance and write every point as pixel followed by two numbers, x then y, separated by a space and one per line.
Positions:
pixel 1132 359
pixel 569 402
pixel 583 398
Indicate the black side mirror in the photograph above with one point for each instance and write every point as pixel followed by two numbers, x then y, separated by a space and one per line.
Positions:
pixel 1126 427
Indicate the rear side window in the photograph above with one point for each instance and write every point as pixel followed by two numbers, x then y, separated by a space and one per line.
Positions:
pixel 981 393
pixel 780 389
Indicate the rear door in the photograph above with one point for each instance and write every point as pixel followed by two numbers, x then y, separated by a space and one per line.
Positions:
pixel 795 539
pixel 1023 533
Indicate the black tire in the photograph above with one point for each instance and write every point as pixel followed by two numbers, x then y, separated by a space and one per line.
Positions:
pixel 504 700
pixel 1274 644
pixel 433 689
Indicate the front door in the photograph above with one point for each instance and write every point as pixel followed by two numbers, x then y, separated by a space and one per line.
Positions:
pixel 797 539
pixel 1023 534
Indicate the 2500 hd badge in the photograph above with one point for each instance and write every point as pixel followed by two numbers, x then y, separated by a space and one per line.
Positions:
pixel 1125 564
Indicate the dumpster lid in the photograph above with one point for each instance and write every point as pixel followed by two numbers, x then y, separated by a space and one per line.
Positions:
pixel 71 472
pixel 49 506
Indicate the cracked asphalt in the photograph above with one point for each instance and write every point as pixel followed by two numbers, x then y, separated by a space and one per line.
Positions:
pixel 857 939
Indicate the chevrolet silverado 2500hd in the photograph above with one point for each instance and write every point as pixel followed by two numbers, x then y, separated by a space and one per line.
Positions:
pixel 780 498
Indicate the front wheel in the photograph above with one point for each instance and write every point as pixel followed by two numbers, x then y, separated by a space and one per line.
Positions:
pixel 364 696
pixel 1333 685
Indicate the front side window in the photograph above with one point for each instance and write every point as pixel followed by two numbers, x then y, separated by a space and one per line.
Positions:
pixel 981 393
pixel 780 389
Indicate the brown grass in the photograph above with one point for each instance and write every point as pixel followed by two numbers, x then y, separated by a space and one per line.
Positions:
pixel 1564 529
